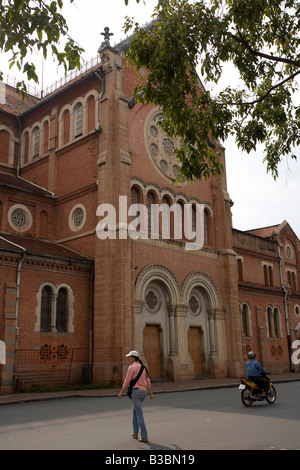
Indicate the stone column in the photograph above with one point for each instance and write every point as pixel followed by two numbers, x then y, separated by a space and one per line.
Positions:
pixel 171 312
pixel 212 332
pixel 180 365
pixel 138 329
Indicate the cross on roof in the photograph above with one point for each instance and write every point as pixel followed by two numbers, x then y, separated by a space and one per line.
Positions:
pixel 106 34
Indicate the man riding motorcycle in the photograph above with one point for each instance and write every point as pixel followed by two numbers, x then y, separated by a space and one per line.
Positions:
pixel 253 369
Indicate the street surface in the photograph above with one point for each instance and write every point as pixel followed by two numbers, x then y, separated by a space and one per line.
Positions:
pixel 193 420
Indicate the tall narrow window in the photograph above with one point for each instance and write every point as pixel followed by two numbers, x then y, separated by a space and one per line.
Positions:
pixel 245 320
pixel 276 323
pixel 240 269
pixel 270 271
pixel 268 274
pixel 78 119
pixel 135 200
pixel 150 201
pixel 46 308
pixel 270 322
pixel 292 279
pixel 25 143
pixel 62 311
pixel 36 142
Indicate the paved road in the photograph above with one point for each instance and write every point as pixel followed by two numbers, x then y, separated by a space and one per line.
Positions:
pixel 193 420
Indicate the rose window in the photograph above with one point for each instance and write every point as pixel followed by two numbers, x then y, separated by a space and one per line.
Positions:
pixel 78 217
pixel 162 148
pixel 19 218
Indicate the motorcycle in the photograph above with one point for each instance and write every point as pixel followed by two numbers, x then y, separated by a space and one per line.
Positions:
pixel 251 392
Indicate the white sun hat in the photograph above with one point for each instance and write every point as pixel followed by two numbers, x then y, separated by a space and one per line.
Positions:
pixel 133 353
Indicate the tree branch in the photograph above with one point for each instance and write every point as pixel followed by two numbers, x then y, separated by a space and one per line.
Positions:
pixel 291 77
pixel 252 51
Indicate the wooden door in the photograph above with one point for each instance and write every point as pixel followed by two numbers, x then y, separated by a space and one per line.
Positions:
pixel 195 349
pixel 152 349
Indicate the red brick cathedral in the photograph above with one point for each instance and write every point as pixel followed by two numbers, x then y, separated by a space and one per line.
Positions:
pixel 72 304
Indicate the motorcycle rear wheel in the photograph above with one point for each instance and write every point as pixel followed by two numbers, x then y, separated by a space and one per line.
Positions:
pixel 246 397
pixel 271 398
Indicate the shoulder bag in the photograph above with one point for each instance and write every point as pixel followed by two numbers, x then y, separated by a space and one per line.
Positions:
pixel 134 381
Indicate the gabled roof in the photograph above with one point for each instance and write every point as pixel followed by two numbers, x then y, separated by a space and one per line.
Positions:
pixel 38 247
pixel 264 232
pixel 14 104
pixel 272 230
pixel 18 183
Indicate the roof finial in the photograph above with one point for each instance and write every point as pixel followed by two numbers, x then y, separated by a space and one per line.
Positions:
pixel 107 35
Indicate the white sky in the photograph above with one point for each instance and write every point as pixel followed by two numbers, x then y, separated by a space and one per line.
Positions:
pixel 259 201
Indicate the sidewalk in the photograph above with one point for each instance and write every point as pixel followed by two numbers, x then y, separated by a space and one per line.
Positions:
pixel 157 387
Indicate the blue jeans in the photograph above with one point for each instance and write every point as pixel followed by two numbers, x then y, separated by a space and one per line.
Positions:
pixel 137 397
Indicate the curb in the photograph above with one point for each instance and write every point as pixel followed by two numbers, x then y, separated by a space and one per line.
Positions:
pixel 60 396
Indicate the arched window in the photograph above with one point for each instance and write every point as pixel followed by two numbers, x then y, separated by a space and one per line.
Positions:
pixel 91 105
pixel 135 200
pixel 25 144
pixel 65 127
pixel 276 322
pixel 46 309
pixel 273 319
pixel 45 138
pixel 151 199
pixel 55 309
pixel 36 142
pixel 245 320
pixel 78 120
pixel 62 311
pixel 180 222
pixel 167 222
pixel 4 149
pixel 135 195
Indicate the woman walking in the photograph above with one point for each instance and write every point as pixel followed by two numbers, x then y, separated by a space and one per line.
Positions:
pixel 138 371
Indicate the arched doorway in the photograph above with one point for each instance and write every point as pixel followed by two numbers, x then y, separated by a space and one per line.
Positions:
pixel 157 294
pixel 202 299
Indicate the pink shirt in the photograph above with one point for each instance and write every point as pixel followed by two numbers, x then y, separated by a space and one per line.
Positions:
pixel 132 372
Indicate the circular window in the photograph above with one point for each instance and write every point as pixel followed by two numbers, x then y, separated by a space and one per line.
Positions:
pixel 19 218
pixel 195 304
pixel 77 217
pixel 297 310
pixel 161 148
pixel 153 300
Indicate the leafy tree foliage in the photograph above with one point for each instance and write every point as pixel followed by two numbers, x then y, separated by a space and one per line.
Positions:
pixel 25 25
pixel 260 38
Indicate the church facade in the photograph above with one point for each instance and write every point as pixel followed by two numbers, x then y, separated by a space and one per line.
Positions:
pixel 74 301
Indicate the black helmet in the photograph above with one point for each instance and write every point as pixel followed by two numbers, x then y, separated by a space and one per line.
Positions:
pixel 251 355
